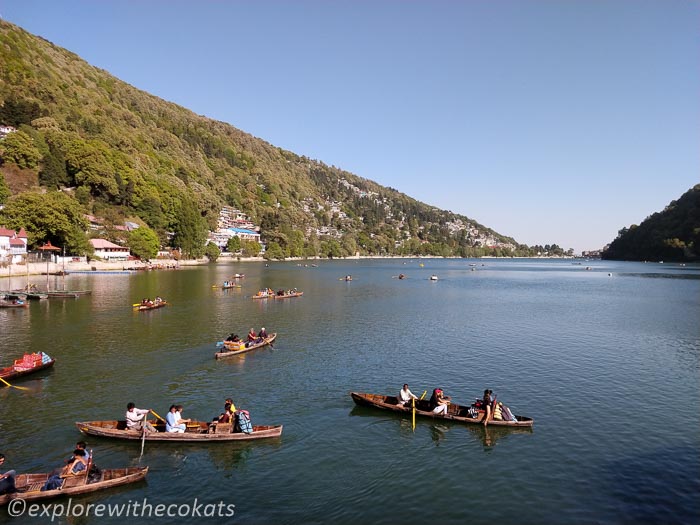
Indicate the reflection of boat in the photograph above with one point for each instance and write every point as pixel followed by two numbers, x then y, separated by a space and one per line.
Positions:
pixel 199 431
pixel 455 412
pixel 230 348
pixel 29 485
pixel 28 364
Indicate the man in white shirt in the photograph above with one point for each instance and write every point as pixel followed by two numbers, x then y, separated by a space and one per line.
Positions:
pixel 136 418
pixel 405 396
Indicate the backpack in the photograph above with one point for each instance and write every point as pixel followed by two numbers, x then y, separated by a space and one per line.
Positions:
pixel 243 423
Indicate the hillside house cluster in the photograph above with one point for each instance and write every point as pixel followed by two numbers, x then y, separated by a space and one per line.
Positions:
pixel 13 245
pixel 233 223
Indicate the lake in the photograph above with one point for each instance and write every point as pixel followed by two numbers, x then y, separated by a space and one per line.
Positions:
pixel 606 360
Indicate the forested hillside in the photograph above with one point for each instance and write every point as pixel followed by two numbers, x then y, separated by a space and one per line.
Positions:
pixel 88 142
pixel 670 235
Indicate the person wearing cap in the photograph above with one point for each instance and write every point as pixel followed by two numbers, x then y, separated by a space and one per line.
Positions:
pixel 439 402
pixel 262 334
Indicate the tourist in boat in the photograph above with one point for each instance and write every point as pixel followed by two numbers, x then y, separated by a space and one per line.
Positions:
pixel 136 418
pixel 233 338
pixel 172 423
pixel 158 300
pixel 406 395
pixel 226 415
pixel 489 400
pixel 82 446
pixel 439 402
pixel 178 416
pixel 7 480
pixel 79 463
pixel 262 334
pixel 252 336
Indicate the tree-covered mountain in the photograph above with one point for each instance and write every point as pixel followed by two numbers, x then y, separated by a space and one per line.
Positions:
pixel 122 154
pixel 670 235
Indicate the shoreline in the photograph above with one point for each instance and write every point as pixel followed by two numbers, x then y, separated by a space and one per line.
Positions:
pixel 54 268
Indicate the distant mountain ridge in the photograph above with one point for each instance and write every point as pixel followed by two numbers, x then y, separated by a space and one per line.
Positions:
pixel 670 235
pixel 124 154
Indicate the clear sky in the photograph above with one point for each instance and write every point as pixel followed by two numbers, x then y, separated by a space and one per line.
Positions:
pixel 551 121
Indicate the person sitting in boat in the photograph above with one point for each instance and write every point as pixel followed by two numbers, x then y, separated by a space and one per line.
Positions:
pixel 439 402
pixel 488 402
pixel 82 446
pixel 406 395
pixel 262 334
pixel 226 415
pixel 136 418
pixel 252 336
pixel 172 423
pixel 144 301
pixel 158 300
pixel 233 338
pixel 78 465
pixel 7 480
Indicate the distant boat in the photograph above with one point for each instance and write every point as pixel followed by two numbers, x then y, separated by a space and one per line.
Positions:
pixel 433 277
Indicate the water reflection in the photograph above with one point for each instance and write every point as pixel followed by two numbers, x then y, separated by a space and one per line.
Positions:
pixel 490 435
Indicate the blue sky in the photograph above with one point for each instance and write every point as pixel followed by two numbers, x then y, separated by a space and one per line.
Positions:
pixel 551 121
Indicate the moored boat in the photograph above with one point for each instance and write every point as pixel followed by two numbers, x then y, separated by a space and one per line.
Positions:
pixel 29 485
pixel 455 412
pixel 28 364
pixel 13 301
pixel 231 348
pixel 197 431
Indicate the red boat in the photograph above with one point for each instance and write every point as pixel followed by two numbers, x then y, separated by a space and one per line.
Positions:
pixel 29 364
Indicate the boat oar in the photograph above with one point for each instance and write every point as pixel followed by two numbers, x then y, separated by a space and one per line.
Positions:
pixel 414 409
pixel 143 434
pixel 13 386
pixel 154 413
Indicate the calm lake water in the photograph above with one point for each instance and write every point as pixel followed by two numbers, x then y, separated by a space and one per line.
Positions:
pixel 605 360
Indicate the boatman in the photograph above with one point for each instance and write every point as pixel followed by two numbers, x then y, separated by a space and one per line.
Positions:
pixel 406 395
pixel 136 418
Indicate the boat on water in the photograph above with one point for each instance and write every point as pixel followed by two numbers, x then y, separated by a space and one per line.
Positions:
pixel 197 431
pixel 27 364
pixel 287 295
pixel 455 412
pixel 13 301
pixel 29 485
pixel 433 277
pixel 231 348
pixel 150 306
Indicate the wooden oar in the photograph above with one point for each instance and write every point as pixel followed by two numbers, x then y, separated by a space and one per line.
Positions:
pixel 414 409
pixel 13 386
pixel 154 413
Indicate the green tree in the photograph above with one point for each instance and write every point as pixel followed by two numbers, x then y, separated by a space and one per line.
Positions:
pixel 52 216
pixel 212 251
pixel 143 243
pixel 190 230
pixel 234 244
pixel 250 248
pixel 4 190
pixel 18 148
pixel 274 251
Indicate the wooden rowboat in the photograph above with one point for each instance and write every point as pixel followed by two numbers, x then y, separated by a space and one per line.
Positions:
pixel 144 307
pixel 455 412
pixel 29 364
pixel 197 431
pixel 288 295
pixel 229 348
pixel 29 485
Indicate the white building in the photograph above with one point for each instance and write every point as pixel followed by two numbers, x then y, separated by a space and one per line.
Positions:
pixel 13 245
pixel 109 251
